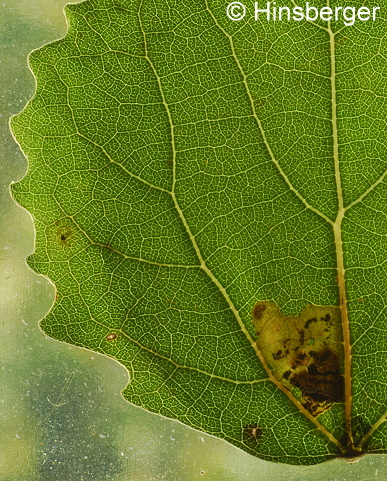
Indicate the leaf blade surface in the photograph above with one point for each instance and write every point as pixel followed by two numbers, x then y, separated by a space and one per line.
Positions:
pixel 170 150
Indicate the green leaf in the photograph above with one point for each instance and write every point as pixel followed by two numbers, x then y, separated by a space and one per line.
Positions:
pixel 185 169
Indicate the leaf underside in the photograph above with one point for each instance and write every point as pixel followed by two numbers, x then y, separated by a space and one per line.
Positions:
pixel 182 168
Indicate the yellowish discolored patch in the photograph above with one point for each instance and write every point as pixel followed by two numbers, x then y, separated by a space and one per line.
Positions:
pixel 62 232
pixel 303 351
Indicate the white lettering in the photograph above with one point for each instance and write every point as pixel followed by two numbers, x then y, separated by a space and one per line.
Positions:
pixel 337 13
pixel 363 11
pixel 281 9
pixel 258 11
pixel 346 15
pixel 374 12
pixel 308 9
pixel 326 13
pixel 351 19
pixel 298 14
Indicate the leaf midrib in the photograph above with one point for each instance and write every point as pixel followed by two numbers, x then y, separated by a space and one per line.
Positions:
pixel 339 251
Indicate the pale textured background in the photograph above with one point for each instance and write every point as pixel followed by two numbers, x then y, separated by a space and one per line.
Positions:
pixel 61 414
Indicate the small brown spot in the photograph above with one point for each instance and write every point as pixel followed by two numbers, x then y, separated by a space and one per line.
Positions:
pixel 300 360
pixel 111 337
pixel 258 311
pixel 325 355
pixel 252 433
pixel 286 374
pixel 278 354
pixel 202 472
pixel 64 232
pixel 309 322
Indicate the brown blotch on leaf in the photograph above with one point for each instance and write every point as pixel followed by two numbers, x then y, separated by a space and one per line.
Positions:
pixel 258 311
pixel 252 433
pixel 309 322
pixel 111 337
pixel 278 354
pixel 286 374
pixel 303 352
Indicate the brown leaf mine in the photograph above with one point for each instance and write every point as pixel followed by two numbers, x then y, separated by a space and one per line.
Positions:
pixel 304 351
